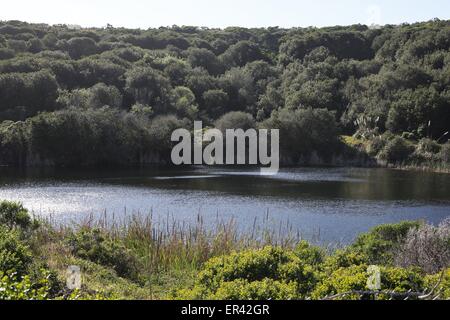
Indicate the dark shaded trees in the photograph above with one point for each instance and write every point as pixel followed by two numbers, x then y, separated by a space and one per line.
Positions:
pixel 353 80
pixel 25 94
pixel 149 87
pixel 304 132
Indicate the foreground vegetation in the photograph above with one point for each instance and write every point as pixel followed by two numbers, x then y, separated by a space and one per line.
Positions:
pixel 139 260
pixel 72 96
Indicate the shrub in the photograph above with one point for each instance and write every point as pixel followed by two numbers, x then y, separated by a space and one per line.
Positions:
pixel 427 150
pixel 266 289
pixel 352 141
pixel 14 215
pixel 379 244
pixel 285 269
pixel 440 282
pixel 427 247
pixel 426 145
pixel 15 256
pixel 98 247
pixel 396 150
pixel 345 258
pixel 13 287
pixel 375 146
pixel 401 280
pixel 39 271
pixel 252 265
pixel 354 278
pixel 309 254
pixel 342 280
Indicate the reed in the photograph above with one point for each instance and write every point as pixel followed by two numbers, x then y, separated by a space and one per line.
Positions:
pixel 169 245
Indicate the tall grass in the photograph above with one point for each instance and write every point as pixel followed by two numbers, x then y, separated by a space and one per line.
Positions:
pixel 173 245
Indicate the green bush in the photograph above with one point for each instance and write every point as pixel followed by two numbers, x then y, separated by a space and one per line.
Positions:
pixel 15 255
pixel 39 271
pixel 426 150
pixel 309 254
pixel 345 258
pixel 99 247
pixel 266 289
pixel 342 280
pixel 375 146
pixel 307 272
pixel 379 244
pixel 14 215
pixel 440 282
pixel 287 269
pixel 254 265
pixel 354 278
pixel 402 280
pixel 13 287
pixel 397 150
pixel 426 145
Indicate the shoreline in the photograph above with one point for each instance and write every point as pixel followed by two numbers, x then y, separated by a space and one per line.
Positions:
pixel 417 168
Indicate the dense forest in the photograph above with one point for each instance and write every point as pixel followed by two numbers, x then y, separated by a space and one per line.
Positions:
pixel 74 96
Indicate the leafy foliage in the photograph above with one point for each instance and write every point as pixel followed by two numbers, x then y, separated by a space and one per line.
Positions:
pixel 397 150
pixel 15 255
pixel 96 246
pixel 14 215
pixel 257 274
pixel 379 245
pixel 14 288
pixel 354 278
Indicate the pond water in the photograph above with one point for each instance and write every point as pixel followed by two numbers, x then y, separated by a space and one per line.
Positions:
pixel 325 204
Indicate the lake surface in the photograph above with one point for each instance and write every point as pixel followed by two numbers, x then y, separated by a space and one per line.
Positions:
pixel 329 205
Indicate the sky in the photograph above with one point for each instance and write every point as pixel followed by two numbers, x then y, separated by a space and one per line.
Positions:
pixel 224 13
